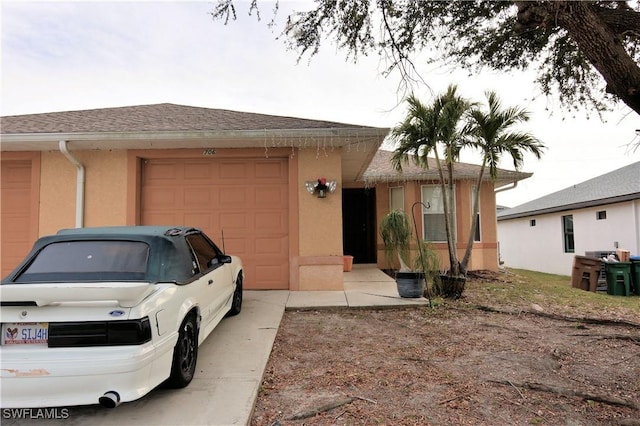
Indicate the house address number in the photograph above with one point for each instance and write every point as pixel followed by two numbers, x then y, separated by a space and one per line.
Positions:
pixel 209 152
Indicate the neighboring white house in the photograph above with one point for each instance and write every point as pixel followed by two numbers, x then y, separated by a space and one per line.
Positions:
pixel 599 215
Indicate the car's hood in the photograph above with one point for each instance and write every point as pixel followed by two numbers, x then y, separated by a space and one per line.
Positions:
pixel 43 294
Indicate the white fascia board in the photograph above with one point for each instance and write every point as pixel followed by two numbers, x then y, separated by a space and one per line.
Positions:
pixel 186 139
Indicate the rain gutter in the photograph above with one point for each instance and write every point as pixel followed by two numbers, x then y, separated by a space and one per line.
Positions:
pixel 344 132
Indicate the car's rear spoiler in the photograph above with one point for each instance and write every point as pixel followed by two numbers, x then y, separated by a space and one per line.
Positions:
pixel 43 294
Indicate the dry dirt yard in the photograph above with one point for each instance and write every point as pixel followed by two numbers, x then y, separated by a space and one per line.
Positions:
pixel 457 364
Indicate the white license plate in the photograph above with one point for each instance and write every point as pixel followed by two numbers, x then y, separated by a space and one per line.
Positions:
pixel 25 333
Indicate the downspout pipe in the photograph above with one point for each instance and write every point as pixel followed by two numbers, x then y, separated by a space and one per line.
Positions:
pixel 507 188
pixel 80 183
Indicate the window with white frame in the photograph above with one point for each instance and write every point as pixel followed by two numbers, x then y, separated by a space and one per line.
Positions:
pixel 476 237
pixel 567 232
pixel 433 213
pixel 396 198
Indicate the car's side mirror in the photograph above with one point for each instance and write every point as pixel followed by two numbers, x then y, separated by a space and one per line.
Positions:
pixel 218 260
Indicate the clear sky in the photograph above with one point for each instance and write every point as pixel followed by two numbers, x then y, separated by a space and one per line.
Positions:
pixel 59 56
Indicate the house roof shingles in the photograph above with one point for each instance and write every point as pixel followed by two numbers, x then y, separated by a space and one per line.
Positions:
pixel 617 186
pixel 170 126
pixel 156 118
pixel 381 170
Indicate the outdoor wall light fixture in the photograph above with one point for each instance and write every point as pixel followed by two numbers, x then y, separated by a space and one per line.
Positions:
pixel 320 187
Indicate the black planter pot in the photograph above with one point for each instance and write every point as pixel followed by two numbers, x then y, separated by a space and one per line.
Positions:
pixel 410 284
pixel 452 287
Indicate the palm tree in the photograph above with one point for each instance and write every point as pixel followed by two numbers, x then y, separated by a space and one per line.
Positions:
pixel 491 133
pixel 426 130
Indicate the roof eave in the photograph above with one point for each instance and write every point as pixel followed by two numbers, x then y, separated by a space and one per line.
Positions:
pixel 189 139
pixel 573 206
pixel 499 181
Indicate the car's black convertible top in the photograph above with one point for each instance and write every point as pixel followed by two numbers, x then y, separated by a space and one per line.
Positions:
pixel 125 253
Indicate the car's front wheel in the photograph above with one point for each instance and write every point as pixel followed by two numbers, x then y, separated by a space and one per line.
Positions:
pixel 185 354
pixel 236 304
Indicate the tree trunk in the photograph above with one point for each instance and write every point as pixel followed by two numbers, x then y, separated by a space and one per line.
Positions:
pixel 453 236
pixel 601 46
pixel 451 239
pixel 474 221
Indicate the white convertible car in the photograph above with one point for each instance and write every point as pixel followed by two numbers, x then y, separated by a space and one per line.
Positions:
pixel 104 315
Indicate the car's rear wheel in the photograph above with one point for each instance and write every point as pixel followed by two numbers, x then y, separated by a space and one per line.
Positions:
pixel 185 354
pixel 236 305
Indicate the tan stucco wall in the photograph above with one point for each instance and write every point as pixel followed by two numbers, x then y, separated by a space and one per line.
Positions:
pixel 57 193
pixel 320 261
pixel 485 252
pixel 327 277
pixel 320 219
pixel 105 190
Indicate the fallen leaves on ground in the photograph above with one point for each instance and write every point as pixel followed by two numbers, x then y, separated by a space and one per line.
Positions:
pixel 454 364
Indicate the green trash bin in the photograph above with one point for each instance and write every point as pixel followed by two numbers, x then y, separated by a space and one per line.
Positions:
pixel 618 278
pixel 635 273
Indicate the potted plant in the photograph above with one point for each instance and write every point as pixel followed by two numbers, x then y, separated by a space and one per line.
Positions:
pixel 396 233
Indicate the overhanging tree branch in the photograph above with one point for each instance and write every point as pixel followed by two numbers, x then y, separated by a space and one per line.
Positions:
pixel 580 50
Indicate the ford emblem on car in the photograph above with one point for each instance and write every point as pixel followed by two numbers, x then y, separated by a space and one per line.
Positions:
pixel 116 313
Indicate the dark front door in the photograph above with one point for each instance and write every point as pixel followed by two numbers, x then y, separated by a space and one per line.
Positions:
pixel 359 224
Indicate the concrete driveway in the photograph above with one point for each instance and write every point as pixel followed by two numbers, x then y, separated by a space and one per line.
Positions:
pixel 230 366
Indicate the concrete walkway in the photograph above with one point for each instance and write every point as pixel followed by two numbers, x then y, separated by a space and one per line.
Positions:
pixel 364 286
pixel 232 361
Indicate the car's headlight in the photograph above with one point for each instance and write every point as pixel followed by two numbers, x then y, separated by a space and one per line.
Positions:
pixel 99 333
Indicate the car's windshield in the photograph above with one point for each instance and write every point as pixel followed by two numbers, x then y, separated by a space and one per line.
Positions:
pixel 102 260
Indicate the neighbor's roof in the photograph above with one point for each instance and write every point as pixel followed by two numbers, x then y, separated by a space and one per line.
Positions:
pixel 381 170
pixel 614 187
pixel 155 118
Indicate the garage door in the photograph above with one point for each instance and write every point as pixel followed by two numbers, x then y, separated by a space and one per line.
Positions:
pixel 16 212
pixel 247 199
